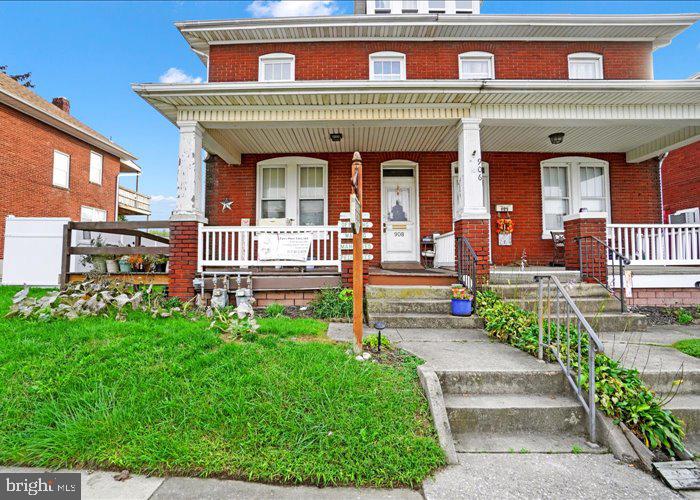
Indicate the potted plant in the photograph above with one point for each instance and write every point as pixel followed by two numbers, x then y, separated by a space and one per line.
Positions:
pixel 462 301
pixel 124 266
pixel 161 264
pixel 98 262
pixel 136 262
pixel 112 264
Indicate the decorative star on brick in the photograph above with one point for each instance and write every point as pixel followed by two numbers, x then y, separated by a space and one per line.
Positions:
pixel 226 204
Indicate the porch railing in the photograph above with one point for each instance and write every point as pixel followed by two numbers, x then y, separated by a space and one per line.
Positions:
pixel 274 246
pixel 466 264
pixel 656 244
pixel 565 333
pixel 445 250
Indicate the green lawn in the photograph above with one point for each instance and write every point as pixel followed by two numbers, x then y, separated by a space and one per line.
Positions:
pixel 168 396
pixel 690 347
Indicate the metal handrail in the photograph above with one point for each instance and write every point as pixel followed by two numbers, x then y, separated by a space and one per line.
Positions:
pixel 587 260
pixel 466 264
pixel 566 317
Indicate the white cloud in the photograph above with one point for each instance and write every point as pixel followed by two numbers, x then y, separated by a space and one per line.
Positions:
pixel 162 206
pixel 164 198
pixel 176 75
pixel 292 8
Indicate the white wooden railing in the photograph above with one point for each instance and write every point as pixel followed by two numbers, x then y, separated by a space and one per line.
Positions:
pixel 445 250
pixel 134 201
pixel 657 244
pixel 276 246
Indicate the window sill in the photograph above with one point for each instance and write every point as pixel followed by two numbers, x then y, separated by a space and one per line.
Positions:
pixel 63 188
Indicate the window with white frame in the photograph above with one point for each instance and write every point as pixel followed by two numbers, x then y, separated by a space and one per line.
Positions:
pixel 95 168
pixel 572 184
pixel 585 66
pixel 382 6
pixel 464 7
pixel 409 6
pixel 276 68
pixel 476 66
pixel 387 66
pixel 91 214
pixel 294 189
pixel 436 6
pixel 61 169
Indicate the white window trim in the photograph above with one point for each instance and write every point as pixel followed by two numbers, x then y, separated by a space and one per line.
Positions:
pixel 94 153
pixel 573 178
pixel 276 56
pixel 388 56
pixel 291 165
pixel 694 211
pixel 479 56
pixel 587 56
pixel 396 7
pixel 53 170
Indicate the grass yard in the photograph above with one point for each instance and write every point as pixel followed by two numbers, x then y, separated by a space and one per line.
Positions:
pixel 689 346
pixel 168 396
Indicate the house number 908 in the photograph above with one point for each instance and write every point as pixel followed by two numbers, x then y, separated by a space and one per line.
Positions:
pixel 398 234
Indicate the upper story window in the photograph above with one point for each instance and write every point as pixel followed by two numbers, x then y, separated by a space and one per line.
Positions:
pixel 276 68
pixel 61 169
pixel 585 66
pixel 95 168
pixel 409 6
pixel 436 6
pixel 476 66
pixel 387 66
pixel 382 6
pixel 464 6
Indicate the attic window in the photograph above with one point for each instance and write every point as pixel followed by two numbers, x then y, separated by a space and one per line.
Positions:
pixel 276 68
pixel 436 6
pixel 585 66
pixel 409 6
pixel 382 7
pixel 387 66
pixel 476 66
pixel 464 7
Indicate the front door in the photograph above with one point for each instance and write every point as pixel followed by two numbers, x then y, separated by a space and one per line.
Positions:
pixel 399 219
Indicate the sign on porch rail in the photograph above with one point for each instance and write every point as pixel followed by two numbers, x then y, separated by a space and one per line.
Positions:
pixel 284 246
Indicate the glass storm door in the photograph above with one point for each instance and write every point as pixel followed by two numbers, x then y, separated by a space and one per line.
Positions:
pixel 399 236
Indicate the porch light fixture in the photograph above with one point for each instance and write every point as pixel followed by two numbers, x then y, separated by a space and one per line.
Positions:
pixel 335 136
pixel 557 137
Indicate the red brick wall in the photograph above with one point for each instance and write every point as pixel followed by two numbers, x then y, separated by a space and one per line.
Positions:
pixel 514 179
pixel 349 60
pixel 681 179
pixel 183 259
pixel 26 167
pixel 664 297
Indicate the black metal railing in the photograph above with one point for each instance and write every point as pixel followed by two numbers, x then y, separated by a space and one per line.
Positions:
pixel 566 336
pixel 466 265
pixel 603 264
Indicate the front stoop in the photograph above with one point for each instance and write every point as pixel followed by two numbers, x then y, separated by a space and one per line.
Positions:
pixel 415 307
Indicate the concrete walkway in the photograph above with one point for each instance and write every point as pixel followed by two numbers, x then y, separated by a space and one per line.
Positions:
pixel 528 475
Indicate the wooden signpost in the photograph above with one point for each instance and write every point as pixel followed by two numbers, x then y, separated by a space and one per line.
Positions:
pixel 356 227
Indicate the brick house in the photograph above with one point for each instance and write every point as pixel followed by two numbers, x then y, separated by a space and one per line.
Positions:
pixel 53 165
pixel 462 119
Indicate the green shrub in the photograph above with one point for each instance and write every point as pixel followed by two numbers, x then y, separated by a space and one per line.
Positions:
pixel 331 303
pixel 620 393
pixel 274 311
pixel 683 317
pixel 372 341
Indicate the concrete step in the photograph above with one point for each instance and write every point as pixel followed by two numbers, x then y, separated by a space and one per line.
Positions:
pixel 510 413
pixel 421 306
pixel 538 383
pixel 529 291
pixel 408 292
pixel 433 321
pixel 617 322
pixel 497 277
pixel 523 442
pixel 687 408
pixel 606 304
pixel 661 381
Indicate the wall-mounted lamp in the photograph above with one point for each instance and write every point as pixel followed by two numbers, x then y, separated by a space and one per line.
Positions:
pixel 335 136
pixel 557 137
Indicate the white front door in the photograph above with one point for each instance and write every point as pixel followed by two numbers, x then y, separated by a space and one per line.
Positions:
pixel 399 215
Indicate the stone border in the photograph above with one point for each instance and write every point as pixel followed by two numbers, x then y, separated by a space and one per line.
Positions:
pixel 433 391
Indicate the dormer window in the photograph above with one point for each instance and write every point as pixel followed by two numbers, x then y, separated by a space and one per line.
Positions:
pixel 276 68
pixel 585 66
pixel 436 6
pixel 387 66
pixel 476 66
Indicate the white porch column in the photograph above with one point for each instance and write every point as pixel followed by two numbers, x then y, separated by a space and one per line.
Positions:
pixel 470 172
pixel 189 173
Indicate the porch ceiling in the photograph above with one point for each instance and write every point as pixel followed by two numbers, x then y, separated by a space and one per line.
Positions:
pixel 495 136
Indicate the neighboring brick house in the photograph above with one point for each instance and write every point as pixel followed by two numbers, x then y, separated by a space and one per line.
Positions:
pixel 53 165
pixel 461 119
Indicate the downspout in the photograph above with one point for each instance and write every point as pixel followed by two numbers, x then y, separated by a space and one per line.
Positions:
pixel 661 158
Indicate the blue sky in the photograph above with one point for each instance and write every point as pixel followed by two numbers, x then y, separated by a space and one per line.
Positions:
pixel 91 51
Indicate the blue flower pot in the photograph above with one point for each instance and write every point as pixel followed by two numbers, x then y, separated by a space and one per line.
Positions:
pixel 461 307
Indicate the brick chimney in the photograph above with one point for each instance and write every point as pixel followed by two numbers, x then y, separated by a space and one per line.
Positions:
pixel 62 103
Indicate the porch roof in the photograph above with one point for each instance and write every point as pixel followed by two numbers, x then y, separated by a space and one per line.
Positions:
pixel 640 118
pixel 659 29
